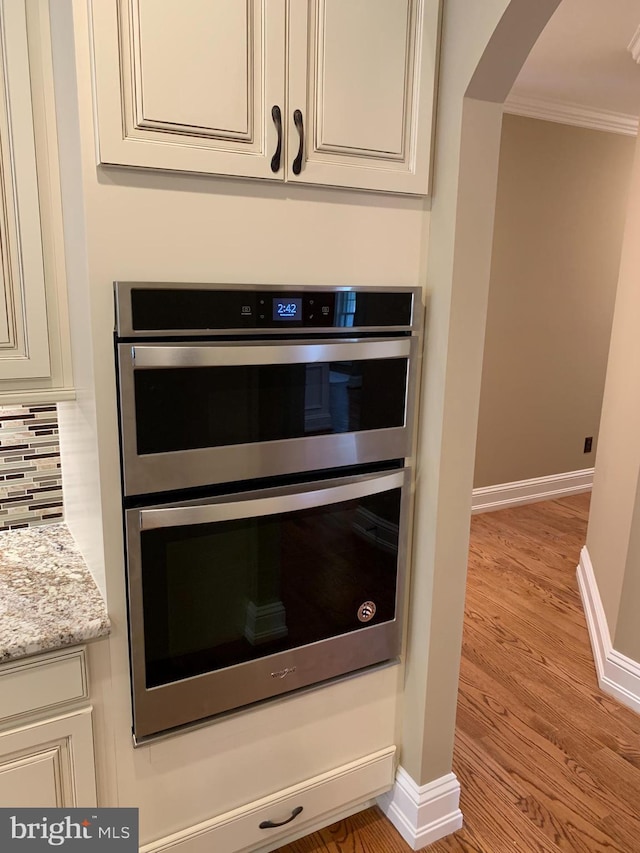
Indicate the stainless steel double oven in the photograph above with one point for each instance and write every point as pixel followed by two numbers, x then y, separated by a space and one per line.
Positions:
pixel 265 433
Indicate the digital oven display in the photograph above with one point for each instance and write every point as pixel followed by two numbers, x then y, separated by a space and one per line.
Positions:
pixel 287 309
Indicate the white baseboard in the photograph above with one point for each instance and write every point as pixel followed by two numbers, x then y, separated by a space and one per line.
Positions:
pixel 618 675
pixel 488 498
pixel 423 814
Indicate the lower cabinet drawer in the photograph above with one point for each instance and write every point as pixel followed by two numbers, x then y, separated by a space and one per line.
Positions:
pixel 298 810
pixel 43 683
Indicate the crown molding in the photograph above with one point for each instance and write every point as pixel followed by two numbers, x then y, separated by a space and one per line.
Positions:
pixel 634 45
pixel 565 112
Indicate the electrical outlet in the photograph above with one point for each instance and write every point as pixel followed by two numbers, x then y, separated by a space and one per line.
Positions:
pixel 588 443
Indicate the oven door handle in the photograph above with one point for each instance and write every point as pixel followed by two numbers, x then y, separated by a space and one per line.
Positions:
pixel 145 356
pixel 242 507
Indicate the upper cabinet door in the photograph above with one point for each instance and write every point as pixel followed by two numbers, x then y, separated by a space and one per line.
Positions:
pixel 340 93
pixel 190 85
pixel 361 84
pixel 24 340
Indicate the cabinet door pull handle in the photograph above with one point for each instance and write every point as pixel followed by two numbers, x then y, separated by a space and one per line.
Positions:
pixel 297 163
pixel 276 115
pixel 270 824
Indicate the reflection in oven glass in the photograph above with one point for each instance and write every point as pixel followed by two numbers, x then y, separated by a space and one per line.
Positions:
pixel 221 594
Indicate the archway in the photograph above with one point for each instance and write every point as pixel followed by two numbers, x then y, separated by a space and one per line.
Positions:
pixel 483 48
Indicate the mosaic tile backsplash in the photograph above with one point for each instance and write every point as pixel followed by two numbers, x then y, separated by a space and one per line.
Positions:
pixel 30 478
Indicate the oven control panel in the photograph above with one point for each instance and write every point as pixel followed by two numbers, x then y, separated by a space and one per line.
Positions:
pixel 287 310
pixel 189 310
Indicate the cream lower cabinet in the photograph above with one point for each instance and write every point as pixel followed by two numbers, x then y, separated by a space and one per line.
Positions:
pixel 286 815
pixel 311 91
pixel 46 738
pixel 48 763
pixel 34 350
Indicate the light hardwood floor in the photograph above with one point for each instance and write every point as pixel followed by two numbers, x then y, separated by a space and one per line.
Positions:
pixel 546 761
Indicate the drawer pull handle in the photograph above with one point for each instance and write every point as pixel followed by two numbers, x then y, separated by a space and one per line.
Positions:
pixel 276 115
pixel 297 163
pixel 270 824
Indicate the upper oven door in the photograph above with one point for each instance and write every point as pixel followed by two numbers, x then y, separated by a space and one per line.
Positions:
pixel 195 414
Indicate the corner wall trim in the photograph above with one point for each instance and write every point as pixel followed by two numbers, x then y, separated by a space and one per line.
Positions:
pixel 423 813
pixel 618 675
pixel 504 495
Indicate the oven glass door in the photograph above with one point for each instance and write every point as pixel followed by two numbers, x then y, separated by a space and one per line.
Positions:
pixel 216 585
pixel 219 412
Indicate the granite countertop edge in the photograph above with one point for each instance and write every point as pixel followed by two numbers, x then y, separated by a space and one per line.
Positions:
pixel 48 597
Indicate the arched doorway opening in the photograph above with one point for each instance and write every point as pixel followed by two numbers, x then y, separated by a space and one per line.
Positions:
pixel 483 48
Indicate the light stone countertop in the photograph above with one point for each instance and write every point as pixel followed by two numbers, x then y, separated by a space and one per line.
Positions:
pixel 48 598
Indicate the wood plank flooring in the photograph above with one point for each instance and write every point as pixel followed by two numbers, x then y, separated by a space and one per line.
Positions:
pixel 546 761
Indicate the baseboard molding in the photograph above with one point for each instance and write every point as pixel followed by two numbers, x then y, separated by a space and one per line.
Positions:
pixel 504 495
pixel 423 814
pixel 618 675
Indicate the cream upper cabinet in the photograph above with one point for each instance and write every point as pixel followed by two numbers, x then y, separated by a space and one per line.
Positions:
pixel 332 92
pixel 24 350
pixel 361 83
pixel 34 352
pixel 189 85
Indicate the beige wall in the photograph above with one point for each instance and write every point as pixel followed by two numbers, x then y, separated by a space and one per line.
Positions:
pixel 137 225
pixel 174 227
pixel 613 536
pixel 627 634
pixel 483 47
pixel 559 222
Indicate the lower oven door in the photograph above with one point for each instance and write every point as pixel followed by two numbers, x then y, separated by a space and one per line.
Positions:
pixel 248 596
